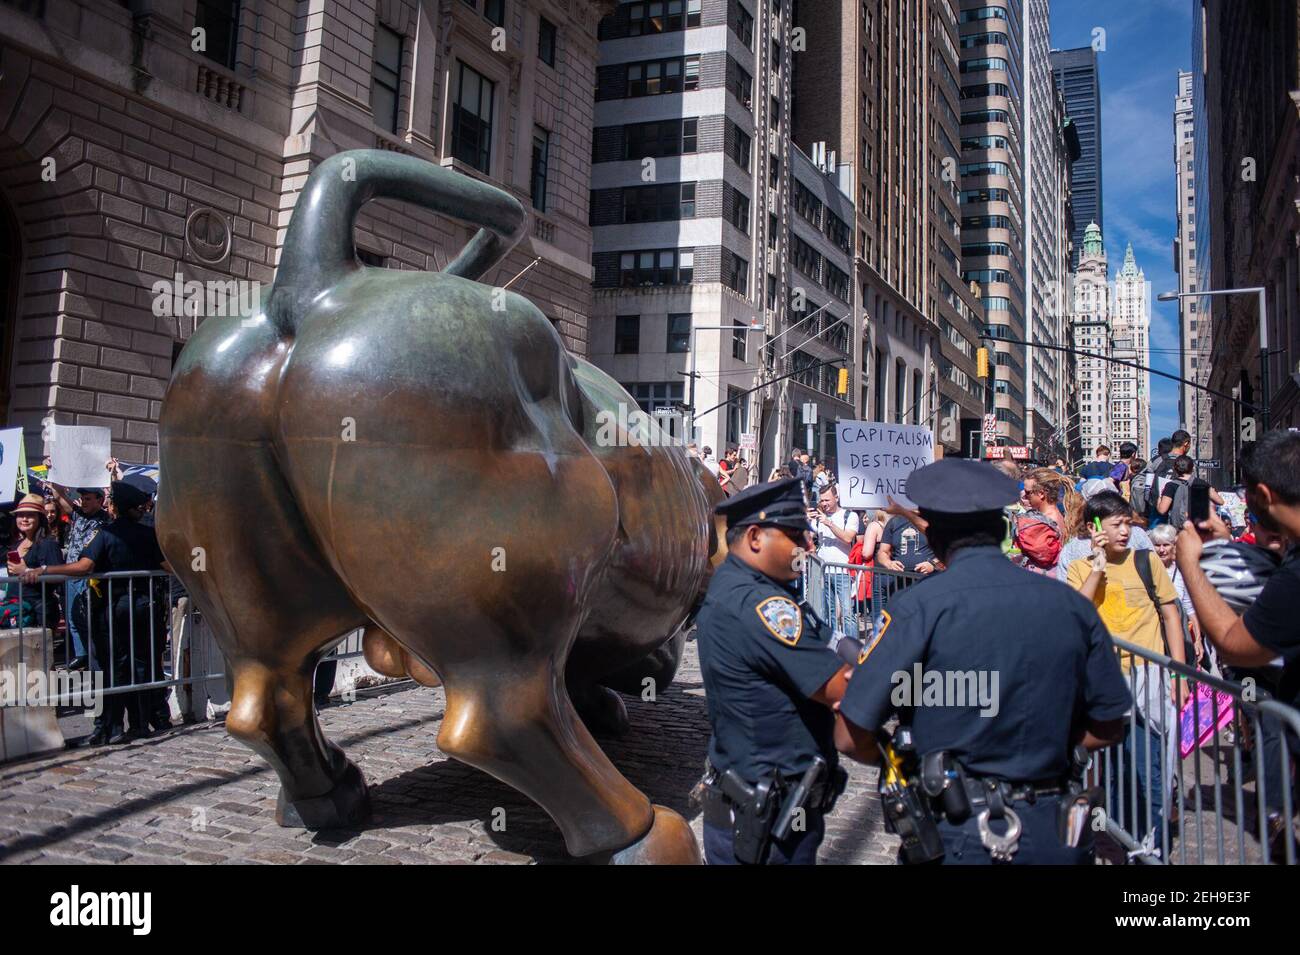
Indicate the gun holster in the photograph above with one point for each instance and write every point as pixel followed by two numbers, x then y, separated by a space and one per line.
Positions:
pixel 754 810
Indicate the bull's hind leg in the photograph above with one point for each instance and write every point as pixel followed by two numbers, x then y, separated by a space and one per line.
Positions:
pixel 520 727
pixel 275 608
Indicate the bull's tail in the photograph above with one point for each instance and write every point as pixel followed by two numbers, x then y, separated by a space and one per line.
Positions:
pixel 319 250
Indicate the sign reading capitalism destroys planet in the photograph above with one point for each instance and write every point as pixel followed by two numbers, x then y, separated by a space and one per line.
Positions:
pixel 875 460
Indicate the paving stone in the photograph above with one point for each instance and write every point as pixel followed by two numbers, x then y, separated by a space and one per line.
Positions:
pixel 137 804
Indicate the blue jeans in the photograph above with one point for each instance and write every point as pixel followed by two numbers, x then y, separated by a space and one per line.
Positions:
pixel 837 602
pixel 1150 783
pixel 75 587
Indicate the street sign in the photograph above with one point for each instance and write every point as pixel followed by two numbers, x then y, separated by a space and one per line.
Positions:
pixel 810 412
pixel 990 428
pixel 1018 452
pixel 667 411
pixel 1210 463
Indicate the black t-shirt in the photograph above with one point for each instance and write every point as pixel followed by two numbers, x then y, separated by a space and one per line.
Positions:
pixel 1171 487
pixel 908 544
pixel 125 545
pixel 1273 622
pixel 44 552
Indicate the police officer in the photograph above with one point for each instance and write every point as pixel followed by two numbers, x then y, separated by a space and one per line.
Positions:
pixel 990 715
pixel 138 609
pixel 770 678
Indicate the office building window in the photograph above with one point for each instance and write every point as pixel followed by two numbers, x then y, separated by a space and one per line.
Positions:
pixel 219 21
pixel 740 149
pixel 656 267
pixel 667 138
pixel 737 274
pixel 742 24
pixel 900 391
pixel 471 138
pixel 546 41
pixel 679 333
pixel 655 77
pixel 385 75
pixel 665 203
pixel 627 334
pixel 739 340
pixel 495 11
pixel 541 152
pixel 740 213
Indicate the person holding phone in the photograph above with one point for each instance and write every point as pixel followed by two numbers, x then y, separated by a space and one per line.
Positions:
pixel 35 547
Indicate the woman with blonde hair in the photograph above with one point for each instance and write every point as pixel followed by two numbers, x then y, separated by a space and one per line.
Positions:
pixel 1039 531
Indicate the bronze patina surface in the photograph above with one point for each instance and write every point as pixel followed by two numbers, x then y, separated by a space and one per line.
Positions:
pixel 416 453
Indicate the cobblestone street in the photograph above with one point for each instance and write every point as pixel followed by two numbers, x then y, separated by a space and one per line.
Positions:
pixel 197 795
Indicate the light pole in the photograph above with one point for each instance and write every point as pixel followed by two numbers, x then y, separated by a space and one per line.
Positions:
pixel 691 376
pixel 1261 405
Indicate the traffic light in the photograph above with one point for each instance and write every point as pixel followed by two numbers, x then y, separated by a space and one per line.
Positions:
pixel 842 387
pixel 982 362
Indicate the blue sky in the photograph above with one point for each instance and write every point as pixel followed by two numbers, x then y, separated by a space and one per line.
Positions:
pixel 1146 44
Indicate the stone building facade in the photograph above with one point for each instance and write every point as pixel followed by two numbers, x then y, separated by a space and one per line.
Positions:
pixel 1246 110
pixel 166 141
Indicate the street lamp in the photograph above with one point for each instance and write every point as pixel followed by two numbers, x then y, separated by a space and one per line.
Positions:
pixel 691 375
pixel 1261 406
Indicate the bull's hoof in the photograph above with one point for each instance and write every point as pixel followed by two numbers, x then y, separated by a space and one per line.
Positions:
pixel 343 807
pixel 601 710
pixel 669 842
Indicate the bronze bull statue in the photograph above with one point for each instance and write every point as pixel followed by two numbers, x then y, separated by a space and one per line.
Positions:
pixel 528 558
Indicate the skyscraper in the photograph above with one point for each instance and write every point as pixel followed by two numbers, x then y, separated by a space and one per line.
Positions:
pixel 723 255
pixel 1050 145
pixel 1193 324
pixel 1080 83
pixel 992 191
pixel 1130 388
pixel 1091 332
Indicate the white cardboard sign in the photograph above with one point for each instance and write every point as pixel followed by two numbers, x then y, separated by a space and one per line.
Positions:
pixel 875 460
pixel 11 440
pixel 78 454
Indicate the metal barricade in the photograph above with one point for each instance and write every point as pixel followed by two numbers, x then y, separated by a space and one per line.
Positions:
pixel 1209 778
pixel 847 600
pixel 130 624
pixel 1223 763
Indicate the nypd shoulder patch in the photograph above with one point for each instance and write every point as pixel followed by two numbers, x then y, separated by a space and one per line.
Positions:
pixel 885 621
pixel 782 618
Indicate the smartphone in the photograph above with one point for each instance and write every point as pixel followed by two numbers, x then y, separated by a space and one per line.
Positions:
pixel 15 557
pixel 1198 501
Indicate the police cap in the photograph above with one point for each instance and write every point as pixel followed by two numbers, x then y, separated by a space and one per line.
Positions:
pixel 778 503
pixel 960 486
pixel 127 496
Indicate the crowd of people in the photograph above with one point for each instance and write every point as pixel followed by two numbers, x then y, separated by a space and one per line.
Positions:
pixel 1110 531
pixel 112 626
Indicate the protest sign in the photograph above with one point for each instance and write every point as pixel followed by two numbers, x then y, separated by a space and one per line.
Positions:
pixel 11 443
pixel 874 460
pixel 78 454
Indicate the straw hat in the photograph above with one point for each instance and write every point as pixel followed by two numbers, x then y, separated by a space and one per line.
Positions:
pixel 31 504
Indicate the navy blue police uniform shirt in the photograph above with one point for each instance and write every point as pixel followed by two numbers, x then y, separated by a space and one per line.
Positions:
pixel 124 545
pixel 1271 621
pixel 1053 659
pixel 761 659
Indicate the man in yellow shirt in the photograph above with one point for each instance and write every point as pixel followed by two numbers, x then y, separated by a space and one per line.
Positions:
pixel 1111 580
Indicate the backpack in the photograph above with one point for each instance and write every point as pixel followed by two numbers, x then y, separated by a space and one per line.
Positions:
pixel 1148 576
pixel 1139 489
pixel 1177 513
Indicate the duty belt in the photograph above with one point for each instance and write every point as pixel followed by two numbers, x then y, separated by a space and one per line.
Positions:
pixel 718 806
